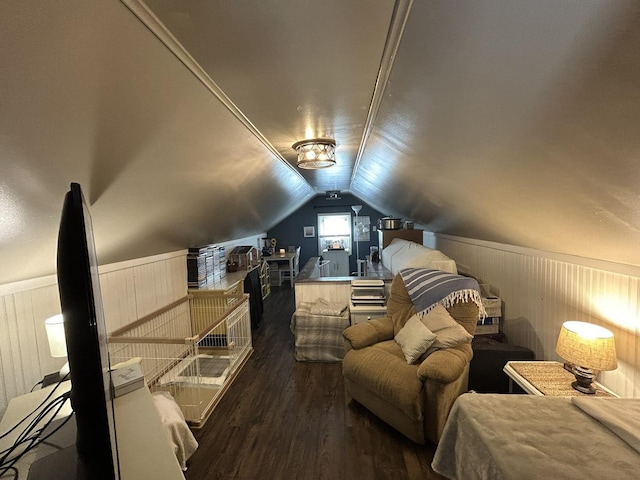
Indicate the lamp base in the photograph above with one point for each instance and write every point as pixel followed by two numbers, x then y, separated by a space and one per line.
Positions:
pixel 57 377
pixel 588 389
pixel 50 379
pixel 584 378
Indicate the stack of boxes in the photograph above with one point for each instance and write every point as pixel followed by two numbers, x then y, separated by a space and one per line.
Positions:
pixel 491 323
pixel 219 263
pixel 197 267
pixel 205 266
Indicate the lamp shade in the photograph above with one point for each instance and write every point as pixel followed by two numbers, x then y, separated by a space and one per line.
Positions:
pixel 55 333
pixel 587 345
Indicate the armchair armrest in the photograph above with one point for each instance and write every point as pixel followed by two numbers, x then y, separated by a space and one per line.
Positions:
pixel 446 365
pixel 367 333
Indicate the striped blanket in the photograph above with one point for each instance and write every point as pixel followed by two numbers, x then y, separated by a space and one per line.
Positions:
pixel 427 288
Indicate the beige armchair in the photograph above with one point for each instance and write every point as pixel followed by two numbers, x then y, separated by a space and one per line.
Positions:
pixel 414 399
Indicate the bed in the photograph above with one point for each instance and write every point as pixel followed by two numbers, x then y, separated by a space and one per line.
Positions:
pixel 521 437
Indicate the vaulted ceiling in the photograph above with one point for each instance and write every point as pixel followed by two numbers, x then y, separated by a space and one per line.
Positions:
pixel 512 121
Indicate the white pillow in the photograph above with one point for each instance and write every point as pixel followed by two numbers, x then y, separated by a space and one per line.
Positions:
pixel 449 332
pixel 414 339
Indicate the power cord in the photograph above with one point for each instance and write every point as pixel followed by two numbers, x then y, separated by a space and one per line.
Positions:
pixel 34 387
pixel 37 408
pixel 30 433
pixel 14 470
pixel 31 436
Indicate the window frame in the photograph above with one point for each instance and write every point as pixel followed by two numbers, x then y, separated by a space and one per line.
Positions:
pixel 323 238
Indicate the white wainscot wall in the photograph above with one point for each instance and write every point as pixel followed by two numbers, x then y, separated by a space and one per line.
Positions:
pixel 541 290
pixel 129 290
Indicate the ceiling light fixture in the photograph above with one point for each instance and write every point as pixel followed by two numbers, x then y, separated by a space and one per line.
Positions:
pixel 315 153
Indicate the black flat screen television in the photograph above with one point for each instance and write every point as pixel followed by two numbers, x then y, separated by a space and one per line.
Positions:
pixel 85 333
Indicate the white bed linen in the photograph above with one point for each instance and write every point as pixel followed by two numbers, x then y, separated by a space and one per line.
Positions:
pixel 526 437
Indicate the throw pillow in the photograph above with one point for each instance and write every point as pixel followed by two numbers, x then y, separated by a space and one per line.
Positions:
pixel 449 332
pixel 414 339
pixel 401 316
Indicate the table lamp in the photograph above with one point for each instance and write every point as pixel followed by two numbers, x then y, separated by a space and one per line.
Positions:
pixel 57 346
pixel 588 347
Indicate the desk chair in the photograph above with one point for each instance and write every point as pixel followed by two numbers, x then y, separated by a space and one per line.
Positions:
pixel 285 274
pixel 275 280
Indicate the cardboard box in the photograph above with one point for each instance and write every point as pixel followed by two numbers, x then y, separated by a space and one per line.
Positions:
pixel 493 306
pixel 490 326
pixel 490 321
pixel 127 379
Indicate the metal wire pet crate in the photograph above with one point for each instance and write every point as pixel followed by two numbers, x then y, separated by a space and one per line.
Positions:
pixel 191 348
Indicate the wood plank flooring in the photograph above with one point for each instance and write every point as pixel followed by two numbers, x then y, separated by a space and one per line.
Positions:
pixel 283 419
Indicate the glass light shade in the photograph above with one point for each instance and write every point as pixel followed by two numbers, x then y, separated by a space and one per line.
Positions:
pixel 316 153
pixel 55 334
pixel 587 345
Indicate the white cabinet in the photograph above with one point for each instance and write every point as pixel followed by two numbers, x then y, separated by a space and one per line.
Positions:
pixel 368 300
pixel 339 262
pixel 364 313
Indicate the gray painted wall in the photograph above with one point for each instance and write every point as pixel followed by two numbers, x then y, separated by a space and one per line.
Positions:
pixel 290 230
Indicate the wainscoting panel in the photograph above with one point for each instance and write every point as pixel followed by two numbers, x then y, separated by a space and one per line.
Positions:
pixel 129 290
pixel 541 290
pixel 24 349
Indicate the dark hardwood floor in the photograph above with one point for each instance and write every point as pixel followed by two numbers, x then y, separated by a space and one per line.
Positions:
pixel 283 419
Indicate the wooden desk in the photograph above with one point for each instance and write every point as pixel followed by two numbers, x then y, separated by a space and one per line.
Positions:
pixel 286 257
pixel 547 378
pixel 231 284
pixel 143 444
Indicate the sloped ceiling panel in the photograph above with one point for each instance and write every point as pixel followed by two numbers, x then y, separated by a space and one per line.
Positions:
pixel 514 122
pixel 297 70
pixel 90 95
pixel 506 120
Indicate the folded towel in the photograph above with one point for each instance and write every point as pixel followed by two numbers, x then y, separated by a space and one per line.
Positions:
pixel 327 308
pixel 183 441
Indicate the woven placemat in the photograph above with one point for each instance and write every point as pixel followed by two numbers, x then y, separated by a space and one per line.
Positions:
pixel 551 379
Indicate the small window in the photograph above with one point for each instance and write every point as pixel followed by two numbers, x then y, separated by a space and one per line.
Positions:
pixel 334 231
